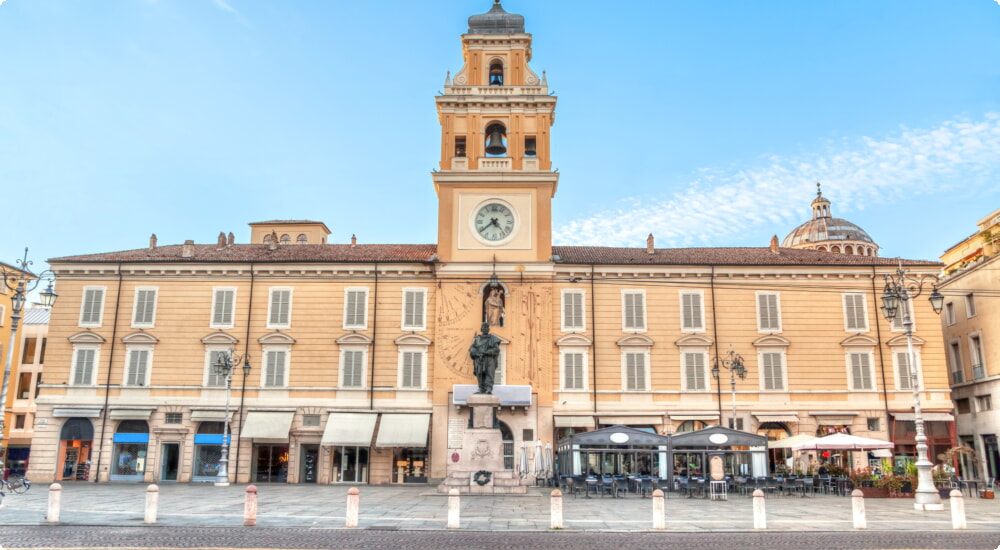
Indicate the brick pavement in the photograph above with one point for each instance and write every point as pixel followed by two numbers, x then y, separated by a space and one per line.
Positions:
pixel 420 508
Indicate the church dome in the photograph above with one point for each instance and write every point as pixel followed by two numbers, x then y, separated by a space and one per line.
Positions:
pixel 496 21
pixel 824 232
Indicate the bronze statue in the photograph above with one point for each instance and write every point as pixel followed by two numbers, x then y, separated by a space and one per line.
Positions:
pixel 485 352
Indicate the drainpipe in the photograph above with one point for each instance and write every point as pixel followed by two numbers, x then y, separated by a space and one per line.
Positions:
pixel 243 388
pixel 107 383
pixel 715 333
pixel 371 369
pixel 881 357
pixel 593 324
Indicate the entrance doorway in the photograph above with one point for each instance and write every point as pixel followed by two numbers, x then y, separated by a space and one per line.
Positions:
pixel 76 437
pixel 992 455
pixel 309 463
pixel 271 465
pixel 350 464
pixel 170 461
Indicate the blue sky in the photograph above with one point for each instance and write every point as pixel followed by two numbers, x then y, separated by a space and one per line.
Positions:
pixel 704 122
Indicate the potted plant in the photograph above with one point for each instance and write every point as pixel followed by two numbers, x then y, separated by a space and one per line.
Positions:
pixel 893 484
pixel 865 479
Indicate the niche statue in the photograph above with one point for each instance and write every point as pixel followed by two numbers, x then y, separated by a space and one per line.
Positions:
pixel 485 351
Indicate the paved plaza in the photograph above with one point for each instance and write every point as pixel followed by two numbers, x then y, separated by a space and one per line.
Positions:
pixel 419 508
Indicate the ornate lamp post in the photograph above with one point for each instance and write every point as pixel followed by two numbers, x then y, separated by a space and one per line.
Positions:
pixel 734 364
pixel 21 283
pixel 899 290
pixel 224 367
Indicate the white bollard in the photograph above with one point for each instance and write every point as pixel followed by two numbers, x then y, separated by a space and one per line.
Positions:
pixel 250 507
pixel 454 509
pixel 759 510
pixel 55 501
pixel 152 501
pixel 353 506
pixel 659 510
pixel 858 505
pixel 957 510
pixel 556 510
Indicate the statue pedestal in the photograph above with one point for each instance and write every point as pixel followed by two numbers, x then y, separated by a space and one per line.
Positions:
pixel 478 467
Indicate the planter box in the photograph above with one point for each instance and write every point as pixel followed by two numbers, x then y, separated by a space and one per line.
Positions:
pixel 986 493
pixel 874 492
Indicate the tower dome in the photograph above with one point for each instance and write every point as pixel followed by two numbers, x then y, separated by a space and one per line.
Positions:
pixel 496 21
pixel 829 234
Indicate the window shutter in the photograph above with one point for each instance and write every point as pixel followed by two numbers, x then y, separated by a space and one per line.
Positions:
pixel 635 373
pixel 275 369
pixel 214 378
pixel 859 367
pixel 573 371
pixel 223 314
pixel 137 367
pixel 353 368
pixel 144 307
pixel 92 301
pixel 413 315
pixel 767 305
pixel 411 369
pixel 903 360
pixel 634 311
pixel 695 371
pixel 355 314
pixel 573 310
pixel 280 302
pixel 84 367
pixel 692 311
pixel 773 379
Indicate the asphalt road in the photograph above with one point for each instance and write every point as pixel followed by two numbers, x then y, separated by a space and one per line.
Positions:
pixel 78 537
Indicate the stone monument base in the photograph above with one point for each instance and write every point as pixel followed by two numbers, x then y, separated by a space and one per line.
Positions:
pixel 479 469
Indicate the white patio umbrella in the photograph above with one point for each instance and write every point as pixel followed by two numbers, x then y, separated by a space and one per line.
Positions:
pixel 539 460
pixel 522 467
pixel 842 442
pixel 549 470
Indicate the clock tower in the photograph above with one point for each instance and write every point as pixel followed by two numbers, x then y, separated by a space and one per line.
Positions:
pixel 495 184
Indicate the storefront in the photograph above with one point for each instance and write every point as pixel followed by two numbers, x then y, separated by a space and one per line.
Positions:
pixel 75 442
pixel 939 427
pixel 617 451
pixel 738 453
pixel 208 444
pixel 131 442
pixel 269 432
pixel 406 436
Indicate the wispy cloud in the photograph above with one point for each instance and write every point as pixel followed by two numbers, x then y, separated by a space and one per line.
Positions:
pixel 859 172
pixel 227 7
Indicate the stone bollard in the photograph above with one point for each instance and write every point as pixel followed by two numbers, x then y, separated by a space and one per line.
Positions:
pixel 957 510
pixel 659 510
pixel 152 501
pixel 55 501
pixel 556 510
pixel 250 507
pixel 759 510
pixel 454 509
pixel 353 506
pixel 858 504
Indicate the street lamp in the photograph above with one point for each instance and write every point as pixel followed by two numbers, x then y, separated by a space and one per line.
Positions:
pixel 21 282
pixel 734 364
pixel 224 367
pixel 899 290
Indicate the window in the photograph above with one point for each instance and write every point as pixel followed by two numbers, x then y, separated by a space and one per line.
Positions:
pixel 634 366
pixel 411 371
pixel 23 386
pixel 949 313
pixel 279 312
pixel 855 316
pixel 976 356
pixel 174 418
pixel 275 368
pixel 19 422
pixel 92 306
pixel 3 311
pixel 984 402
pixel 286 239
pixel 970 305
pixel 223 303
pixel 414 305
pixel 691 312
pixel 355 308
pixel 963 406
pixel 144 309
pixel 573 365
pixel 212 377
pixel 310 420
pixel 768 312
pixel 874 425
pixel 737 425
pixel 633 311
pixel 904 375
pixel 861 371
pixel 460 146
pixel 352 368
pixel 905 307
pixel 694 372
pixel 572 308
pixel 84 359
pixel 28 353
pixel 957 373
pixel 772 370
pixel 137 370
pixel 41 354
pixel 302 239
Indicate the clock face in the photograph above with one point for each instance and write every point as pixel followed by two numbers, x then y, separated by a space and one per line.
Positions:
pixel 494 222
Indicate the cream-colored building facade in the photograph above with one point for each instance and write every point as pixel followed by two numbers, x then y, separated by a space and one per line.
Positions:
pixel 358 353
pixel 970 323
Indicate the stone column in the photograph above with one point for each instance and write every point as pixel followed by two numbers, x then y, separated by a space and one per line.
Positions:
pixel 957 510
pixel 759 510
pixel 556 510
pixel 250 507
pixel 659 510
pixel 353 506
pixel 858 505
pixel 55 502
pixel 152 501
pixel 454 509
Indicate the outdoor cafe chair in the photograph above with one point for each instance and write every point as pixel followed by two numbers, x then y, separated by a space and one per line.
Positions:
pixel 645 487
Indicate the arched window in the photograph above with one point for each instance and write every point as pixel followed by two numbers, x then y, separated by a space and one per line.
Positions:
pixel 507 437
pixel 496 140
pixel 775 431
pixel 835 249
pixel 690 426
pixel 302 239
pixel 267 239
pixel 496 73
pixel 286 239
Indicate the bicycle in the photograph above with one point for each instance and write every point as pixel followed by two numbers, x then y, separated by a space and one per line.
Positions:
pixel 16 485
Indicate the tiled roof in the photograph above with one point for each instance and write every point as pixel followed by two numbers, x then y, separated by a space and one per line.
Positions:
pixel 36 316
pixel 716 256
pixel 285 222
pixel 242 253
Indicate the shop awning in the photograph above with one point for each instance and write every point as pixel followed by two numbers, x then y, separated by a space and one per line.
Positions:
pixel 271 427
pixel 789 442
pixel 349 429
pixel 574 421
pixel 208 416
pixel 403 430
pixel 927 416
pixel 776 417
pixel 630 420
pixel 882 453
pixel 131 414
pixel 703 417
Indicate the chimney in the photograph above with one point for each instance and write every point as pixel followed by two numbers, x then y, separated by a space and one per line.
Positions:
pixel 774 245
pixel 273 244
pixel 152 241
pixel 222 240
pixel 354 241
pixel 188 250
pixel 232 239
pixel 649 244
